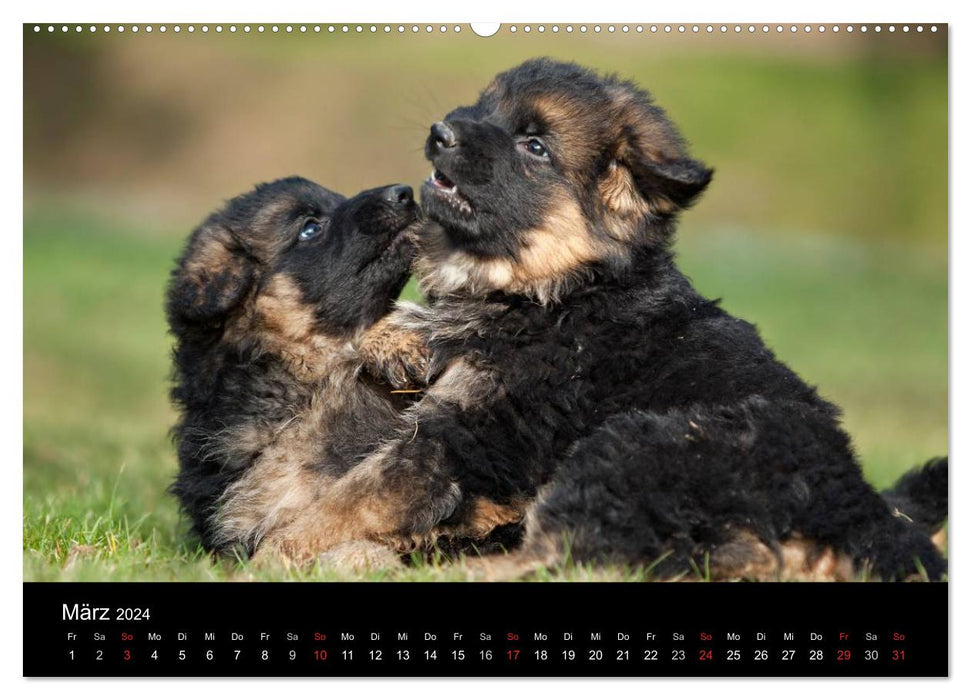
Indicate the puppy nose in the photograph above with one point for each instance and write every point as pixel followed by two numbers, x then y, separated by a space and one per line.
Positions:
pixel 399 194
pixel 443 135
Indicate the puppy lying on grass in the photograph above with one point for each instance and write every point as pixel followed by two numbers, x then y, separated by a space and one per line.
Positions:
pixel 583 382
pixel 645 424
pixel 282 361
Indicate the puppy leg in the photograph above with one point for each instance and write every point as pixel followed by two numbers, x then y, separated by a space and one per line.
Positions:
pixel 393 354
pixel 360 556
pixel 408 493
pixel 387 498
pixel 536 554
pixel 706 488
pixel 404 495
pixel 345 558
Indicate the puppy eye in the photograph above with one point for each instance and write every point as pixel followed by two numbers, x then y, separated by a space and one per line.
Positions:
pixel 535 147
pixel 310 229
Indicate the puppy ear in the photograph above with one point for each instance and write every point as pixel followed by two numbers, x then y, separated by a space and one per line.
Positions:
pixel 213 275
pixel 678 182
pixel 653 154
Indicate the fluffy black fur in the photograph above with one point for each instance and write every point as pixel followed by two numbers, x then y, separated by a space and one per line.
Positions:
pixel 660 425
pixel 921 495
pixel 247 375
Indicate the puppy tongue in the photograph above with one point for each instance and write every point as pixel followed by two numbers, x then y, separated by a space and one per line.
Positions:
pixel 441 180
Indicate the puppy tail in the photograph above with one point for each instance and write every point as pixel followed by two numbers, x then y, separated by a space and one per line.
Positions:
pixel 920 496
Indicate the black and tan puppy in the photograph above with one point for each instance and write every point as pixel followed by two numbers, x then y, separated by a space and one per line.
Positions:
pixel 276 308
pixel 676 432
pixel 576 363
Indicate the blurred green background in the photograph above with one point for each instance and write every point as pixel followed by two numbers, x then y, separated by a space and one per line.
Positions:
pixel 826 225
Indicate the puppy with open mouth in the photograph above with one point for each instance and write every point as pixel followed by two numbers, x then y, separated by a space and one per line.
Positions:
pixel 582 382
pixel 659 429
pixel 284 366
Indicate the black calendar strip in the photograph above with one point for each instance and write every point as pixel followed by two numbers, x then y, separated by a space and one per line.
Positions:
pixel 562 629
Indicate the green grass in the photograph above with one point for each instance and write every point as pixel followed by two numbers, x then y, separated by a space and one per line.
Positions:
pixel 866 322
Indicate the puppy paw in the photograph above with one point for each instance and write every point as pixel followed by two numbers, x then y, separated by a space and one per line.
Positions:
pixel 359 556
pixel 435 505
pixel 408 368
pixel 395 356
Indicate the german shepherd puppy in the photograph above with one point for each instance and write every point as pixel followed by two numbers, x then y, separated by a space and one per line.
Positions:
pixel 675 431
pixel 580 374
pixel 282 361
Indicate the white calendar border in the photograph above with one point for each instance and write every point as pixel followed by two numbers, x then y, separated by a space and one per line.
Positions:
pixel 604 11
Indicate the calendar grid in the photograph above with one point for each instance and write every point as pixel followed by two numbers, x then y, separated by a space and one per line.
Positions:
pixel 583 629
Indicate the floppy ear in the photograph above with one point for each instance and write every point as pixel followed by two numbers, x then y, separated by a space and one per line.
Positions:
pixel 677 181
pixel 651 153
pixel 213 275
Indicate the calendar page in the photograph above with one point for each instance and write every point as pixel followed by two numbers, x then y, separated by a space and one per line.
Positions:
pixel 437 349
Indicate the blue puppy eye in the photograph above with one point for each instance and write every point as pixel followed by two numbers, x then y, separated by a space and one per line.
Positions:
pixel 310 229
